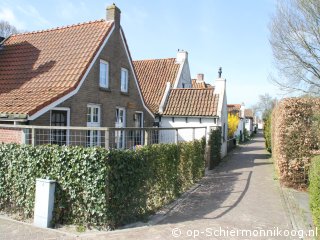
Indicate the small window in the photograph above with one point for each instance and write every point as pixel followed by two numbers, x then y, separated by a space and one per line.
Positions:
pixel 183 85
pixel 104 74
pixel 124 80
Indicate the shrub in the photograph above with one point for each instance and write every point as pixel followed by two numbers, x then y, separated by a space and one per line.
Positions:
pixel 96 186
pixel 294 138
pixel 233 122
pixel 267 132
pixel 314 191
pixel 215 147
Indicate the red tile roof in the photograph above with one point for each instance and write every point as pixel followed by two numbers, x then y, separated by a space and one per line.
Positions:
pixel 234 109
pixel 38 68
pixel 248 113
pixel 200 84
pixel 192 102
pixel 153 76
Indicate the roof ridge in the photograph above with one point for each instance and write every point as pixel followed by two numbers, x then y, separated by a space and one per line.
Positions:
pixel 152 59
pixel 60 28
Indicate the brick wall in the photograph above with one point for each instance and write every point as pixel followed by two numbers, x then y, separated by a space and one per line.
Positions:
pixel 109 100
pixel 11 135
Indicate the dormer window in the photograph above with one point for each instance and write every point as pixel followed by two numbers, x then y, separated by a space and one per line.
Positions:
pixel 104 74
pixel 124 80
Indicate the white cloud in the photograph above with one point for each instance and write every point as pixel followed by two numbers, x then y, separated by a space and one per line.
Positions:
pixel 8 15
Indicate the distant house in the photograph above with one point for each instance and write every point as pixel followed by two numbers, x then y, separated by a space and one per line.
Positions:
pixel 177 101
pixel 79 75
pixel 248 114
pixel 238 110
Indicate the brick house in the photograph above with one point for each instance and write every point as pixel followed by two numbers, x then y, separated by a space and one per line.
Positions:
pixel 178 101
pixel 79 75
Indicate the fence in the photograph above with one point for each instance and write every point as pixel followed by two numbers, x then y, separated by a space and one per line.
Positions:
pixel 115 138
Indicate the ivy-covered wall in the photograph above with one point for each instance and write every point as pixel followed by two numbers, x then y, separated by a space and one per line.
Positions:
pixel 96 186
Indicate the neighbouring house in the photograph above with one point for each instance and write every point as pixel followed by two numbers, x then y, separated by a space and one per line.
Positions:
pixel 78 75
pixel 248 115
pixel 177 101
pixel 238 110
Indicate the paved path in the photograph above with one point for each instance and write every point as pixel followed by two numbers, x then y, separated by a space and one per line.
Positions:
pixel 240 194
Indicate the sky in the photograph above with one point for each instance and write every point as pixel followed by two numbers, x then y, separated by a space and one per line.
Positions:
pixel 231 34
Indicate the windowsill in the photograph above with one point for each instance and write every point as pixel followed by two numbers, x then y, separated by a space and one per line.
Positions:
pixel 105 89
pixel 124 93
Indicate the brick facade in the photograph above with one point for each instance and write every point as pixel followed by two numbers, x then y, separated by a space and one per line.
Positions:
pixel 11 135
pixel 90 92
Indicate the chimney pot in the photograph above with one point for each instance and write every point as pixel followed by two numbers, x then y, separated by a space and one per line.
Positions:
pixel 113 14
pixel 200 77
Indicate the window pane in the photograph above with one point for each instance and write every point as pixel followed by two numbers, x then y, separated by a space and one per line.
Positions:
pixel 88 114
pixel 124 80
pixel 104 74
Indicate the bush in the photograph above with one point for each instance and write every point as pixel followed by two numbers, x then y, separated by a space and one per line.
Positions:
pixel 267 132
pixel 215 147
pixel 294 139
pixel 314 191
pixel 96 186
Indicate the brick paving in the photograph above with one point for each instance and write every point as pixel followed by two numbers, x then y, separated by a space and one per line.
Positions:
pixel 240 194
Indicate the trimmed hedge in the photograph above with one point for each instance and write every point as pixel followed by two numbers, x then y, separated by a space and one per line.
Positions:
pixel 96 186
pixel 267 132
pixel 314 191
pixel 215 147
pixel 294 139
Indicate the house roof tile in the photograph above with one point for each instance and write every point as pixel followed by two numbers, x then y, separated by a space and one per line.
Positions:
pixel 248 113
pixel 153 76
pixel 192 102
pixel 38 68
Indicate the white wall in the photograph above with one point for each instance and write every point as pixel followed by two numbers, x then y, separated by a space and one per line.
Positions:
pixel 185 134
pixel 185 77
pixel 249 125
pixel 240 128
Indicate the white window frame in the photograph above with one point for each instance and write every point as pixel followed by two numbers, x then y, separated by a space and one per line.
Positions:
pixel 94 124
pixel 120 133
pixel 106 84
pixel 68 120
pixel 142 125
pixel 125 89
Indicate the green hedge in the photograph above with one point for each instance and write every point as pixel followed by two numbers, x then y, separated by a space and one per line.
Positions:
pixel 267 132
pixel 96 186
pixel 215 147
pixel 314 191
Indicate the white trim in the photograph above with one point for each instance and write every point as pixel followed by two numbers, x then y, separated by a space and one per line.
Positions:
pixel 164 98
pixel 68 120
pixel 179 74
pixel 134 74
pixel 64 98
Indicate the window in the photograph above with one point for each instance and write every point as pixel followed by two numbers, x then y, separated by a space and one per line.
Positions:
pixel 120 123
pixel 93 120
pixel 59 117
pixel 183 85
pixel 104 74
pixel 124 80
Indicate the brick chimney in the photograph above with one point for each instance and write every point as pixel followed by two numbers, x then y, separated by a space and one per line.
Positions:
pixel 113 14
pixel 200 77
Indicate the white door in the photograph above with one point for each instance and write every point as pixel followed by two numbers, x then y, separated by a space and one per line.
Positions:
pixel 120 123
pixel 93 120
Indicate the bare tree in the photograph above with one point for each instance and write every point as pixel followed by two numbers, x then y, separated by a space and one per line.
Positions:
pixel 295 41
pixel 6 29
pixel 265 105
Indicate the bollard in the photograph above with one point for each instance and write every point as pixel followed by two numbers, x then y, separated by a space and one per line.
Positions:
pixel 44 202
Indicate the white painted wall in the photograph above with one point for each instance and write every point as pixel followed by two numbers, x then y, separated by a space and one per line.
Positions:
pixel 240 128
pixel 187 134
pixel 222 112
pixel 249 125
pixel 184 75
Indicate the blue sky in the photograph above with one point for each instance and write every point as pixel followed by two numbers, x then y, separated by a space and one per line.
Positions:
pixel 232 34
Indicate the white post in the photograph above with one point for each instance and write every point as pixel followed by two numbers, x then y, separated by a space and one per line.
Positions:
pixel 44 202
